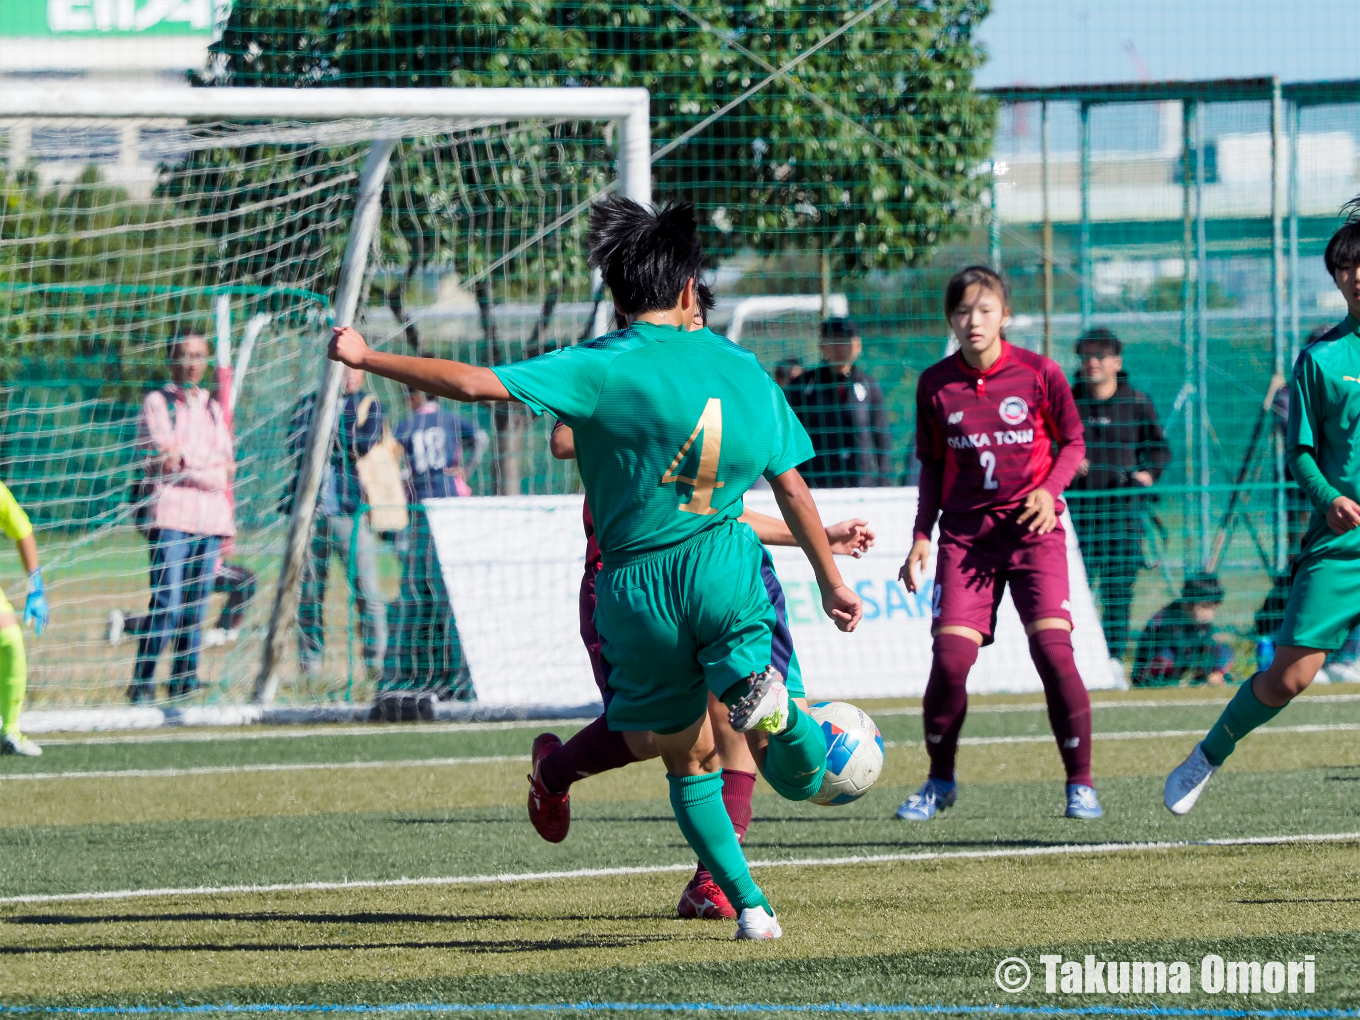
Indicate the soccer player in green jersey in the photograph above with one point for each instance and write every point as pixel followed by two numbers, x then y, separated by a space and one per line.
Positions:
pixel 671 427
pixel 1324 455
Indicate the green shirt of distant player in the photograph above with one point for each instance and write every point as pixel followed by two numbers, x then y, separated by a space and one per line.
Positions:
pixel 1324 415
pixel 671 428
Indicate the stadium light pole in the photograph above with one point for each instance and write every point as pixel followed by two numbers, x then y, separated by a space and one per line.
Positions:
pixel 1084 234
pixel 1187 328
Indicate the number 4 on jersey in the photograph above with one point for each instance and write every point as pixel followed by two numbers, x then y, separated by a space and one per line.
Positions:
pixel 710 448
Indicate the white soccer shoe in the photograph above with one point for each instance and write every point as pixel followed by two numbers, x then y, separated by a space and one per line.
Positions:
pixel 17 743
pixel 765 707
pixel 1187 781
pixel 757 923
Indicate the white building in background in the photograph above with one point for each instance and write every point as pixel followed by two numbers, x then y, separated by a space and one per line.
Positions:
pixel 101 44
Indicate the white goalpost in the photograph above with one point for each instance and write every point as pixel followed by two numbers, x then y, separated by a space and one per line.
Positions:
pixel 137 213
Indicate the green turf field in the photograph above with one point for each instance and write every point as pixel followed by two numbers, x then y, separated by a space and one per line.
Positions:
pixel 396 865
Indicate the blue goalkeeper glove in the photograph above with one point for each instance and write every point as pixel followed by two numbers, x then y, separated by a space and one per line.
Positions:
pixel 35 608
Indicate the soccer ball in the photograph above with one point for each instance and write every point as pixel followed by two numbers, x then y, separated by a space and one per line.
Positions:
pixel 854 752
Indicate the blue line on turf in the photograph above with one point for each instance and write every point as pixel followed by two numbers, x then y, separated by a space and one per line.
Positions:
pixel 864 1008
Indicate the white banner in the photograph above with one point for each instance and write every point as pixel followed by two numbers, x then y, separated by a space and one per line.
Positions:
pixel 513 568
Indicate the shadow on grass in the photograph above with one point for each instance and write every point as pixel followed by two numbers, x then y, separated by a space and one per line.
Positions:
pixel 598 941
pixel 266 916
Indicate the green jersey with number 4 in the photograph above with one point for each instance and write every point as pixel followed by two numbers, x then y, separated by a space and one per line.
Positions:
pixel 671 428
pixel 1324 416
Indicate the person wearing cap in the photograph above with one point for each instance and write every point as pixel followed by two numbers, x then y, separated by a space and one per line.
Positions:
pixel 1126 452
pixel 841 407
pixel 1178 644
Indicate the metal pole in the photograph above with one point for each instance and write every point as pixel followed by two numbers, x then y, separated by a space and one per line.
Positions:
pixel 1084 236
pixel 1048 232
pixel 1202 333
pixel 1294 341
pixel 367 209
pixel 1187 322
pixel 994 241
pixel 1277 298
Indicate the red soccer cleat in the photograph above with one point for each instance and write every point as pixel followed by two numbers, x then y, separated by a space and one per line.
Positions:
pixel 704 899
pixel 550 812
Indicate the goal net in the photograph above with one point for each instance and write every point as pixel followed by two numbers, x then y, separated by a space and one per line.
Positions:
pixel 447 222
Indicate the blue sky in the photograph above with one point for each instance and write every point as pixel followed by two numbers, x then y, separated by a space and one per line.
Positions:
pixel 1056 42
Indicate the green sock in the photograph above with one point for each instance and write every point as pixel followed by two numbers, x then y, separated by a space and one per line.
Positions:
pixel 13 676
pixel 1243 714
pixel 698 805
pixel 795 760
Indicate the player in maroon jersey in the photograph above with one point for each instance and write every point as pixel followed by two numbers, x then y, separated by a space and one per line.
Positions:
pixel 987 421
pixel 596 748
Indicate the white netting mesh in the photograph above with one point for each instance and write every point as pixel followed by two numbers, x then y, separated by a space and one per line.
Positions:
pixel 117 235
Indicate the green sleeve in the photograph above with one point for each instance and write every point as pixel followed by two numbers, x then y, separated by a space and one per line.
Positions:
pixel 564 382
pixel 1306 404
pixel 791 445
pixel 13 521
pixel 1304 467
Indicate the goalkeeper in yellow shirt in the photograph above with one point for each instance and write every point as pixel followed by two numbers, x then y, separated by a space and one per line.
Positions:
pixel 13 665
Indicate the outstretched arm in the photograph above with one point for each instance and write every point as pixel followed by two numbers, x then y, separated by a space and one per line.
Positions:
pixel 800 513
pixel 451 379
pixel 847 538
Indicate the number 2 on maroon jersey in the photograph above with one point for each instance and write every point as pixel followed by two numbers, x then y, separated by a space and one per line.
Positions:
pixel 988 460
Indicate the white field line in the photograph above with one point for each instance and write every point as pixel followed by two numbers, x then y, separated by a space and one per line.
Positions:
pixel 656 869
pixel 392 730
pixel 326 730
pixel 310 766
pixel 1038 706
pixel 496 759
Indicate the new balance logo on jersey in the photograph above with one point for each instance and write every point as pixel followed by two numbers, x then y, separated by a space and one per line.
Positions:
pixel 1014 410
pixel 955 418
pixel 977 440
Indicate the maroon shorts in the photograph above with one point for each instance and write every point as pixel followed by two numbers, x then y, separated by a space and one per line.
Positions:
pixel 590 636
pixel 980 554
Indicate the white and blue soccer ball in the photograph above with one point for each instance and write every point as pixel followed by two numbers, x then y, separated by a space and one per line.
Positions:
pixel 854 752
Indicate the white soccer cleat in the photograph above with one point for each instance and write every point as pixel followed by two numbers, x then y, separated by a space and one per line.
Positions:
pixel 757 923
pixel 114 632
pixel 1187 781
pixel 17 743
pixel 765 707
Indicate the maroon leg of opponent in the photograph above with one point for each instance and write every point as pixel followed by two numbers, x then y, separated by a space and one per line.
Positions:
pixel 591 751
pixel 1069 706
pixel 946 701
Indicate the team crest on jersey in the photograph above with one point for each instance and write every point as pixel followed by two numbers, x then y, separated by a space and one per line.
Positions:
pixel 1014 410
pixel 955 418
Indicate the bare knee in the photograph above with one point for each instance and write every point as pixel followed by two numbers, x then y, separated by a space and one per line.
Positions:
pixel 1288 676
pixel 1047 623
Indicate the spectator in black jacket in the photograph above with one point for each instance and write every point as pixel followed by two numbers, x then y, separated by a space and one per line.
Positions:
pixel 1126 452
pixel 842 409
pixel 334 526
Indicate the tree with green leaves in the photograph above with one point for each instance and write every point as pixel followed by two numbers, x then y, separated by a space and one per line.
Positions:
pixel 862 150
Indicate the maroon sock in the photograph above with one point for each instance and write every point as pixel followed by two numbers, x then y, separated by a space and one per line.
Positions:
pixel 946 701
pixel 589 752
pixel 737 789
pixel 1069 706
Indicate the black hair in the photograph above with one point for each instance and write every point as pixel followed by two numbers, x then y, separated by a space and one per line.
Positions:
pixel 1344 247
pixel 1202 588
pixel 707 302
pixel 983 276
pixel 645 255
pixel 1099 336
pixel 839 328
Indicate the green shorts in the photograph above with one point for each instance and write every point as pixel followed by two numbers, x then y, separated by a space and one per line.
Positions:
pixel 1324 604
pixel 682 622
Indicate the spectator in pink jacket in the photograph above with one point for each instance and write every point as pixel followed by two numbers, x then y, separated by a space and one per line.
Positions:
pixel 187 444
